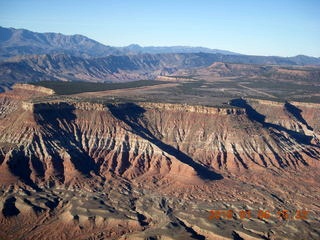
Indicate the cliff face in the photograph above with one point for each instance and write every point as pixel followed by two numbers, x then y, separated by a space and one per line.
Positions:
pixel 295 116
pixel 61 142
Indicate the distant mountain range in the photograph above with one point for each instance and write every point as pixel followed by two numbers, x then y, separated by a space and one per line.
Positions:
pixel 29 56
pixel 15 42
pixel 137 49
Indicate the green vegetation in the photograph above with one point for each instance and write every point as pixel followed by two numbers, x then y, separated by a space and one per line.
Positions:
pixel 67 88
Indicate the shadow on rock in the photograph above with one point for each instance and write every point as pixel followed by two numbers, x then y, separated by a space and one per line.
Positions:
pixel 258 117
pixel 132 115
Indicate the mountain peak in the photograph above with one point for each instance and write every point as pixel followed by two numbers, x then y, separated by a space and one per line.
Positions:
pixel 15 42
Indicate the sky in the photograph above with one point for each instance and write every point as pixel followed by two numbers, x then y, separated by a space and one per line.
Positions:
pixel 255 27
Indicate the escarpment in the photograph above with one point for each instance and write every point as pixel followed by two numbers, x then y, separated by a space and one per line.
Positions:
pixel 62 142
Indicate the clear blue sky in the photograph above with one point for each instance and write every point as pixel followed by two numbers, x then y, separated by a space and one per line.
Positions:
pixel 260 27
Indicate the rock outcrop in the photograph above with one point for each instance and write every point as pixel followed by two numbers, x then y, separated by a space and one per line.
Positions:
pixel 30 87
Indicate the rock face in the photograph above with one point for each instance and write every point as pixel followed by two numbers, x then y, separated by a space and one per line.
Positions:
pixel 59 140
pixel 73 163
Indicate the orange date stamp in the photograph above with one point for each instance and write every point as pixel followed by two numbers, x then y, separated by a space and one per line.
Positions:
pixel 284 215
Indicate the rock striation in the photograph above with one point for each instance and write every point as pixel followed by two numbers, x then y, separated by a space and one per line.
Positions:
pixel 56 141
